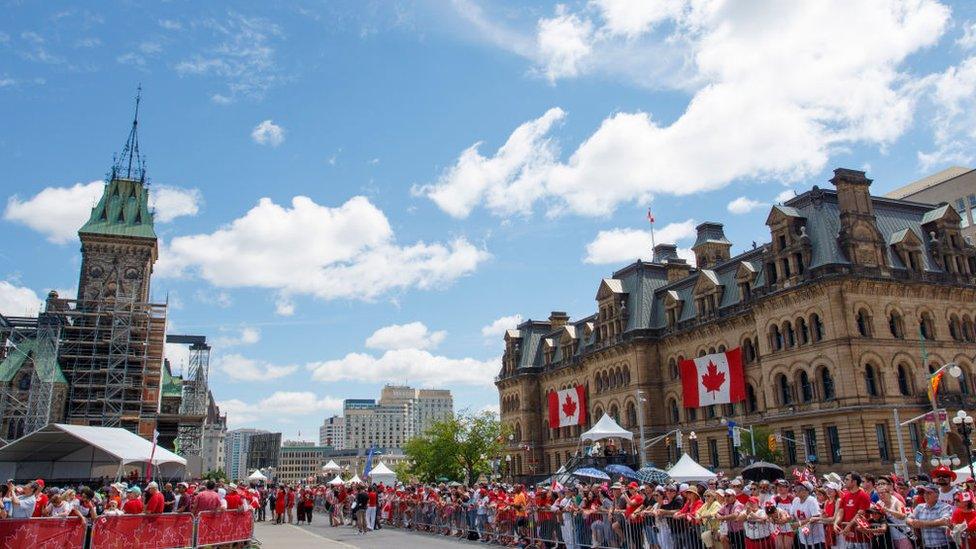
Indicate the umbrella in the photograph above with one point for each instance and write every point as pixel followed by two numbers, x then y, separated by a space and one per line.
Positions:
pixel 763 470
pixel 454 484
pixel 591 473
pixel 653 475
pixel 622 470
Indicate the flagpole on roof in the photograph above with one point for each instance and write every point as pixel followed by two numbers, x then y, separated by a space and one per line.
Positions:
pixel 650 219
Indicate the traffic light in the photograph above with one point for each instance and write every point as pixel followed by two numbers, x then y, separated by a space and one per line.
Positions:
pixel 771 442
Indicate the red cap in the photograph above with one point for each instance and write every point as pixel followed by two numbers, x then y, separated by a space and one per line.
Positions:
pixel 40 482
pixel 632 485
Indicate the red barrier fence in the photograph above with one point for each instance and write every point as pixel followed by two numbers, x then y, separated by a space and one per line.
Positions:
pixel 215 527
pixel 42 533
pixel 165 531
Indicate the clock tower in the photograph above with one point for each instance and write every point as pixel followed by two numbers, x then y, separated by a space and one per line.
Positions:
pixel 118 243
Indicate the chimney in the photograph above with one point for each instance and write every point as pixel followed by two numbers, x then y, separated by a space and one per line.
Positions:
pixel 859 236
pixel 711 247
pixel 676 269
pixel 664 252
pixel 558 319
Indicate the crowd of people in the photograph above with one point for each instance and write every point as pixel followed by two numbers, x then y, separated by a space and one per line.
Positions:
pixel 832 512
pixel 34 499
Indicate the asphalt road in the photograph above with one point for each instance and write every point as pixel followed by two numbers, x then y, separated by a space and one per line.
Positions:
pixel 320 534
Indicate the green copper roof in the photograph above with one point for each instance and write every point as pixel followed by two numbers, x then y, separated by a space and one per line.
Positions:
pixel 123 210
pixel 12 364
pixel 172 386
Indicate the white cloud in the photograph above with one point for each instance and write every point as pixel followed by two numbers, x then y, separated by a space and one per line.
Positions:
pixel 268 133
pixel 58 212
pixel 414 335
pixel 246 335
pixel 18 300
pixel 563 43
pixel 411 365
pixel 631 18
pixel 279 404
pixel 284 306
pixel 179 357
pixel 172 202
pixel 491 408
pixel 309 249
pixel 744 205
pixel 618 245
pixel 497 327
pixel 954 119
pixel 784 196
pixel 220 299
pixel 241 368
pixel 510 181
pixel 772 97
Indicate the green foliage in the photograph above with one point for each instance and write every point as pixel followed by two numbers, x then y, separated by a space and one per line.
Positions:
pixel 215 475
pixel 457 448
pixel 763 451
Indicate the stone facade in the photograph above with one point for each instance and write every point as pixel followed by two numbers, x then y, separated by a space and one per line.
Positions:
pixel 832 316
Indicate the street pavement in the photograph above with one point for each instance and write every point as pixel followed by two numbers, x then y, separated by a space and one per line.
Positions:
pixel 320 534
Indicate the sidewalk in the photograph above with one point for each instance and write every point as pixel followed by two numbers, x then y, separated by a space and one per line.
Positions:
pixel 286 536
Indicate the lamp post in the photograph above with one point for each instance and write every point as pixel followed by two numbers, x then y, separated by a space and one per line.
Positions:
pixel 964 424
pixel 752 436
pixel 640 425
pixel 954 371
pixel 508 465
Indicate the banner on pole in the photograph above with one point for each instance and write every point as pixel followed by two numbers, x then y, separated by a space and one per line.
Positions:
pixel 932 433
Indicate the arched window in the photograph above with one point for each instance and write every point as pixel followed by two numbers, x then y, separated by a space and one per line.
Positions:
pixel 955 328
pixel 802 331
pixel 863 323
pixel 673 409
pixel 871 381
pixel 728 410
pixel 816 327
pixel 806 389
pixel 599 384
pixel 783 386
pixel 748 352
pixel 626 375
pixel 518 432
pixel 673 368
pixel 691 414
pixel 926 326
pixel 25 382
pixel 710 411
pixel 751 404
pixel 896 325
pixel 963 382
pixel 775 338
pixel 615 413
pixel 631 415
pixel 711 350
pixel 827 384
pixel 904 381
pixel 967 329
pixel 790 335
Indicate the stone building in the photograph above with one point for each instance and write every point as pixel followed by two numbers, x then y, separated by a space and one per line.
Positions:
pixel 833 316
pixel 955 185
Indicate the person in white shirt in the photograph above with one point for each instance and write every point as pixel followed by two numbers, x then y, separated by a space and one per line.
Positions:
pixel 806 511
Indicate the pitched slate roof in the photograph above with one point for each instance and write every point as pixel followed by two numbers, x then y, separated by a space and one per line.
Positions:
pixel 123 210
pixel 19 355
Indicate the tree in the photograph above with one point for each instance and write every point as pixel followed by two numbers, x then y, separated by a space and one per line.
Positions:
pixel 215 474
pixel 763 451
pixel 457 448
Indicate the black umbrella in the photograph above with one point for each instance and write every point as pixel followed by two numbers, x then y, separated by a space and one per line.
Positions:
pixel 763 470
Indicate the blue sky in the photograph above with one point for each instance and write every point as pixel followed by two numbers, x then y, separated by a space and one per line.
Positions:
pixel 352 193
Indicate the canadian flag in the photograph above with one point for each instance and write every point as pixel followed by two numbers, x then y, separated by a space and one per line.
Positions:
pixel 713 379
pixel 567 407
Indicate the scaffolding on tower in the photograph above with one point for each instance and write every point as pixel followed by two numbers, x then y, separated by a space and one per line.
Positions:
pixel 193 406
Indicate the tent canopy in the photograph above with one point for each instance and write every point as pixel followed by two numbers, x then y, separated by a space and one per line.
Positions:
pixel 337 480
pixel 355 480
pixel 381 469
pixel 77 451
pixel 331 466
pixel 256 476
pixel 688 470
pixel 607 428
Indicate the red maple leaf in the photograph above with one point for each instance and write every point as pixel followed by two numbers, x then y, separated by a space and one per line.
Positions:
pixel 569 407
pixel 713 380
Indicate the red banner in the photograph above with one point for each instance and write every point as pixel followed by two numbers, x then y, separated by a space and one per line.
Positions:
pixel 217 527
pixel 143 531
pixel 42 533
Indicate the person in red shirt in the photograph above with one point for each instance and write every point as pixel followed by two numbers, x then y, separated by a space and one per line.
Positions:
pixel 279 505
pixel 233 498
pixel 133 503
pixel 852 500
pixel 965 514
pixel 156 503
pixel 206 499
pixel 41 502
pixel 290 504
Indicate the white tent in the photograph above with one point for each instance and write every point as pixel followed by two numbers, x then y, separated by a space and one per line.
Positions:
pixel 331 467
pixel 607 428
pixel 336 481
pixel 382 473
pixel 688 470
pixel 60 451
pixel 355 480
pixel 256 476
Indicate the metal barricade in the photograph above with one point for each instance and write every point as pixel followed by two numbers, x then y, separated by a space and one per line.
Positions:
pixel 43 533
pixel 158 531
pixel 219 527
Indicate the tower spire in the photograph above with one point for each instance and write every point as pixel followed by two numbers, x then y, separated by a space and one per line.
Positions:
pixel 130 164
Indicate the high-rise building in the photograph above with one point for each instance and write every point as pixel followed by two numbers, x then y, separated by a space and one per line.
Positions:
pixel 298 463
pixel 214 435
pixel 333 432
pixel 236 445
pixel 264 451
pixel 401 413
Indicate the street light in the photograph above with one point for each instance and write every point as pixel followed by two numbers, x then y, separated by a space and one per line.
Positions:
pixel 752 436
pixel 964 424
pixel 954 371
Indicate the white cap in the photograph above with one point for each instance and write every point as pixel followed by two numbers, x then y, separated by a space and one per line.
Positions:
pixel 683 487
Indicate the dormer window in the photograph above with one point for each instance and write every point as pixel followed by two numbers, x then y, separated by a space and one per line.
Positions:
pixel 672 307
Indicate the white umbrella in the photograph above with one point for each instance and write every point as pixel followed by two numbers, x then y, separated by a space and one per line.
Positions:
pixel 336 481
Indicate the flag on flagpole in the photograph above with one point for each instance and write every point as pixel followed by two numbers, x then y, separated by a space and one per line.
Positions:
pixel 650 216
pixel 650 219
pixel 934 382
pixel 152 455
pixel 369 462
